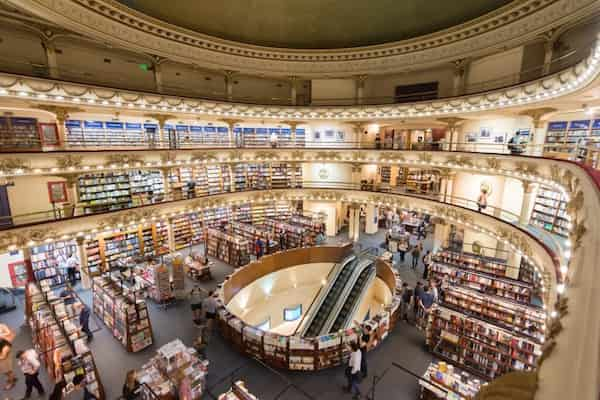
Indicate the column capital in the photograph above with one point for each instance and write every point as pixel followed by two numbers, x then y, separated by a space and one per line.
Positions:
pixel 461 65
pixel 229 73
pixel 536 114
pixel 293 124
pixel 231 121
pixel 361 78
pixel 528 186
pixel 161 118
pixel 61 113
pixel 452 122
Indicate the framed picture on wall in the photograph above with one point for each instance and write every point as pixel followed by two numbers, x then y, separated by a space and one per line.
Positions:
pixel 329 134
pixel 499 139
pixel 49 134
pixel 57 192
pixel 340 136
pixel 485 133
pixel 317 135
pixel 471 137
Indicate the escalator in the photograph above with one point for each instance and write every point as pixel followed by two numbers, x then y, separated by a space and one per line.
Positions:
pixel 330 299
pixel 353 300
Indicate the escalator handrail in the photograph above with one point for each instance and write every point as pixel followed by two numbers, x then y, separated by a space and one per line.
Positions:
pixel 341 300
pixel 367 283
pixel 314 308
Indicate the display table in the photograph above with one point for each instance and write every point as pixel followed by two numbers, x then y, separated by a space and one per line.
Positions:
pixel 450 383
pixel 175 372
pixel 238 392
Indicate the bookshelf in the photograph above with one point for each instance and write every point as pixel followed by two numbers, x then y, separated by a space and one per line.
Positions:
pixel 120 248
pixel 484 282
pixel 49 262
pixel 479 347
pixel 526 320
pixel 475 262
pixel 568 136
pixel 19 133
pixel 109 191
pixel 126 316
pixel 418 180
pixel 231 249
pixel 550 212
pixel 182 231
pixel 56 335
pixel 457 384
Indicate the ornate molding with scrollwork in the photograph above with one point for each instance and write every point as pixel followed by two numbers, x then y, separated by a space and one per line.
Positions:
pixel 109 21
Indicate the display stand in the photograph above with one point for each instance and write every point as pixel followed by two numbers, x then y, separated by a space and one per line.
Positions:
pixel 231 249
pixel 175 372
pixel 124 314
pixel 550 212
pixel 443 381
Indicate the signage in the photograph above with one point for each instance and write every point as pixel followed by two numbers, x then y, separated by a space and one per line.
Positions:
pixel 222 129
pixel 70 123
pixel 132 126
pixel 557 126
pixel 114 125
pixel 93 124
pixel 180 128
pixel 194 128
pixel 581 124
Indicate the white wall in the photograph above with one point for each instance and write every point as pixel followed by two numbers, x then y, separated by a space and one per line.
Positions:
pixel 490 68
pixel 349 133
pixel 30 194
pixel 323 89
pixel 468 186
pixel 376 297
pixel 326 173
pixel 504 127
pixel 6 259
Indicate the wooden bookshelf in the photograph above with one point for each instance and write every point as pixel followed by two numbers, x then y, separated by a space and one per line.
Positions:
pixel 475 262
pixel 126 316
pixel 48 262
pixel 479 347
pixel 550 212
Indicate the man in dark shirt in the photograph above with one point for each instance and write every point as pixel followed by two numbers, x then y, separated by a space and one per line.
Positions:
pixel 427 301
pixel 365 339
pixel 84 321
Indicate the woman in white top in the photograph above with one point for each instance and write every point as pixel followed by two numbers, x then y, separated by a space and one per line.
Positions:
pixel 353 370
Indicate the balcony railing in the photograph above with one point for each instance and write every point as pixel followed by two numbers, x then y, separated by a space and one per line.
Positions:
pixel 118 81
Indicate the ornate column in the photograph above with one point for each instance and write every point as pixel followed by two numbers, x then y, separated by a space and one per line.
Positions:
pixel 157 69
pixel 354 223
pixel 460 76
pixel 441 230
pixel 86 281
pixel 549 38
pixel 293 125
pixel 61 114
pixel 356 172
pixel 229 84
pixel 293 90
pixel 166 182
pixel 161 119
pixel 528 202
pixel 51 62
pixel 538 130
pixel 372 223
pixel 230 125
pixel 360 88
pixel 453 124
pixel 447 184
pixel 359 128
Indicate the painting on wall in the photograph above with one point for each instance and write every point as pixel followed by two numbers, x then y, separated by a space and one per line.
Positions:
pixel 317 135
pixel 485 133
pixel 329 134
pixel 57 192
pixel 499 139
pixel 471 137
pixel 340 136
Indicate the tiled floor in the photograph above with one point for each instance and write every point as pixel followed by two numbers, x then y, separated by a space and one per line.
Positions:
pixel 405 346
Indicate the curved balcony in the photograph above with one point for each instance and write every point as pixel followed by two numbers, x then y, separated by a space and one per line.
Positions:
pixel 571 356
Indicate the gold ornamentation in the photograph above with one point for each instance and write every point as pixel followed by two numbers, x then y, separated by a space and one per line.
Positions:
pixel 575 204
pixel 8 165
pixel 69 161
pixel 266 155
pixel 328 155
pixel 391 156
pixel 204 156
pixel 547 349
pixel 23 238
pixel 298 155
pixel 461 161
pixel 130 159
pixel 527 168
pixel 236 155
pixel 516 385
pixel 425 157
pixel 492 163
pixel 577 233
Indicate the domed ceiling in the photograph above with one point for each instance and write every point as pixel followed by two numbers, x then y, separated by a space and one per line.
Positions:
pixel 315 24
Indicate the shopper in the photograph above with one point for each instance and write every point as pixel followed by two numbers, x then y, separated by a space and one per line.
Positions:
pixel 407 294
pixel 426 264
pixel 84 321
pixel 434 291
pixel 6 362
pixel 482 200
pixel 417 299
pixel 209 305
pixel 72 264
pixel 416 253
pixel 514 144
pixel 196 296
pixel 353 370
pixel 365 340
pixel 131 388
pixel 282 240
pixel 30 364
pixel 425 304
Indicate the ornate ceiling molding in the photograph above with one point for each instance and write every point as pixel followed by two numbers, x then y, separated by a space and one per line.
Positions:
pixel 65 94
pixel 111 22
